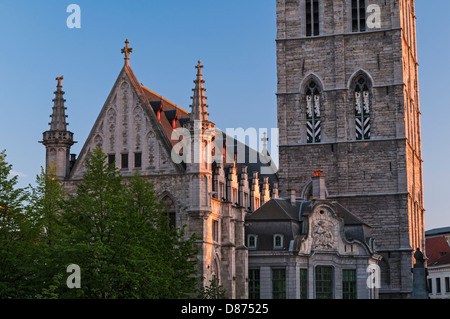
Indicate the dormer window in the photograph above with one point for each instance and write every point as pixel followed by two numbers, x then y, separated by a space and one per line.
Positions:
pixel 277 241
pixel 252 241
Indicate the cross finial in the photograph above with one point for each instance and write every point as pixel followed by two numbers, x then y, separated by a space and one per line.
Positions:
pixel 126 50
pixel 199 67
pixel 59 79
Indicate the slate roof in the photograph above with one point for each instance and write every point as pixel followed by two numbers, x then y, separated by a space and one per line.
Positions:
pixel 276 209
pixel 438 231
pixel 280 216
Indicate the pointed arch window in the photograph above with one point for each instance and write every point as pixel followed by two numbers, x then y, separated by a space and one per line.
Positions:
pixel 362 109
pixel 313 115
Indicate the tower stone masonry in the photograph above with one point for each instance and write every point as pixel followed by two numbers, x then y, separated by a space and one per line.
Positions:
pixel 348 104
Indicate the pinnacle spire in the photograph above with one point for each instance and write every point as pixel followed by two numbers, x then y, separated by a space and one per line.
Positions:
pixel 58 122
pixel 58 140
pixel 199 106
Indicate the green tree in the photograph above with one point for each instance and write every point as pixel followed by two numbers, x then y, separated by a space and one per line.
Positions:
pixel 18 237
pixel 118 233
pixel 45 206
pixel 214 291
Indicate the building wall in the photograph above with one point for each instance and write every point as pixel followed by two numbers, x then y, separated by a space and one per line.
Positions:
pixel 380 180
pixel 443 273
pixel 266 262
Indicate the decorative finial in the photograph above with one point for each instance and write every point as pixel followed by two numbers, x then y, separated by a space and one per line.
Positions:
pixel 59 79
pixel 199 99
pixel 265 139
pixel 126 50
pixel 199 67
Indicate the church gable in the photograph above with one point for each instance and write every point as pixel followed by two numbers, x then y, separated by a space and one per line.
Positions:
pixel 130 132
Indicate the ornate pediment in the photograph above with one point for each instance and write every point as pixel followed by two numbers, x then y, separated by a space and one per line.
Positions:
pixel 324 228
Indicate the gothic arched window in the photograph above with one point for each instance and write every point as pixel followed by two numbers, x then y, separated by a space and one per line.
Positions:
pixel 313 117
pixel 362 109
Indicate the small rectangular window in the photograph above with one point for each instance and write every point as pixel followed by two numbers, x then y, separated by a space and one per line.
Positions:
pixel 312 17
pixel 447 284
pixel 111 158
pixel 278 283
pixel 137 160
pixel 278 241
pixel 172 219
pixel 324 282
pixel 251 241
pixel 215 230
pixel 438 285
pixel 349 284
pixel 253 284
pixel 316 17
pixel 124 160
pixel 358 15
pixel 303 283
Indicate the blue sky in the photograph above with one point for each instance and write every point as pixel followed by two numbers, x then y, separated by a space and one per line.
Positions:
pixel 235 41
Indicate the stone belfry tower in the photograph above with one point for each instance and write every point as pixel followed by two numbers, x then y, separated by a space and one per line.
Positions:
pixel 348 104
pixel 58 139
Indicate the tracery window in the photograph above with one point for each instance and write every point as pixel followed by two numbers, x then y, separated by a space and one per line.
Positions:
pixel 313 116
pixel 362 109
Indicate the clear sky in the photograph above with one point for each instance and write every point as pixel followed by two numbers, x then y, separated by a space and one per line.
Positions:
pixel 235 40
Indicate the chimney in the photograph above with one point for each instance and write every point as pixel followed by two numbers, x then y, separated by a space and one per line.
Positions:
pixel 275 190
pixel 318 185
pixel 266 191
pixel 293 197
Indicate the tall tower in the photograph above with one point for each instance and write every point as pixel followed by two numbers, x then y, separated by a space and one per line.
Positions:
pixel 58 139
pixel 348 104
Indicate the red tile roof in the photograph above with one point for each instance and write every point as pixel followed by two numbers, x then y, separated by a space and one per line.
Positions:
pixel 437 251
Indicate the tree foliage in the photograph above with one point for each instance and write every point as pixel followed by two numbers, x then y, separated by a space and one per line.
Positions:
pixel 115 230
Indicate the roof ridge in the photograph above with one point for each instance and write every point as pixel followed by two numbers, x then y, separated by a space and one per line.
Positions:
pixel 284 211
pixel 163 98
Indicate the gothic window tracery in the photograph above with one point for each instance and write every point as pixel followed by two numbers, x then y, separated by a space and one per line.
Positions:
pixel 313 113
pixel 362 109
